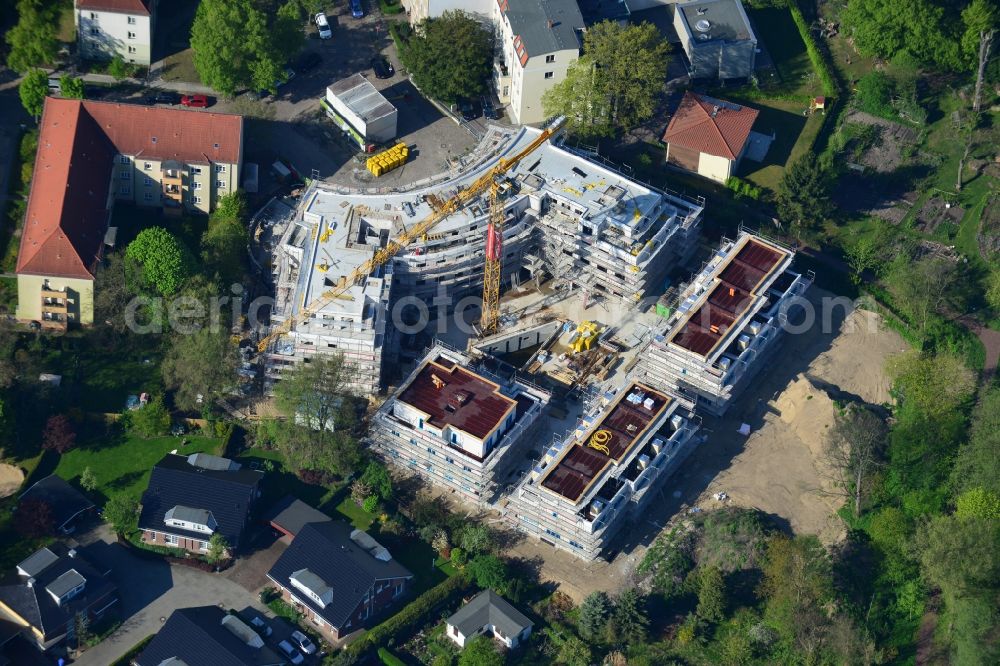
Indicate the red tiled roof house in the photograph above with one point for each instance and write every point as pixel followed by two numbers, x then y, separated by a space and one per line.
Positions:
pixel 92 154
pixel 709 136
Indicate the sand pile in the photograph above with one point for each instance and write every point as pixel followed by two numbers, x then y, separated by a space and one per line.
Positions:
pixel 11 478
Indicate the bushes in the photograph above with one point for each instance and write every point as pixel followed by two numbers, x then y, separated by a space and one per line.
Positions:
pixel 133 652
pixel 742 189
pixel 414 613
pixel 390 7
pixel 874 94
pixel 388 658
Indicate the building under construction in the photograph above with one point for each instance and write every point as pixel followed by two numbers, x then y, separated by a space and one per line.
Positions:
pixel 589 484
pixel 566 217
pixel 725 323
pixel 457 423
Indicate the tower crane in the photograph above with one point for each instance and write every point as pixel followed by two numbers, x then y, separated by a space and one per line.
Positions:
pixel 420 229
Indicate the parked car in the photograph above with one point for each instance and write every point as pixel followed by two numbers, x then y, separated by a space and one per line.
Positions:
pixel 324 26
pixel 164 98
pixel 197 101
pixel 293 655
pixel 309 60
pixel 261 626
pixel 303 642
pixel 489 110
pixel 383 68
pixel 357 11
pixel 469 108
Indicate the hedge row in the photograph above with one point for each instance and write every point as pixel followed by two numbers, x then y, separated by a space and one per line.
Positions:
pixel 389 659
pixel 826 77
pixel 416 612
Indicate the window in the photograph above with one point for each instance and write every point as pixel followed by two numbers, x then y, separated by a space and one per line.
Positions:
pixel 131 49
pixel 95 31
pixel 548 75
pixel 197 200
pixel 147 181
pixel 170 539
pixel 196 170
pixel 123 159
pixel 93 15
pixel 146 166
pixel 220 184
pixel 124 175
pixel 131 20
pixel 220 168
pixel 148 196
pixel 197 185
pixel 124 188
pixel 550 58
pixel 202 546
pixel 131 35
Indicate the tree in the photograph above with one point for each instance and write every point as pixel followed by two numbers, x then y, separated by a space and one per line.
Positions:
pixel 218 548
pixel 165 261
pixel 480 651
pixel 232 206
pixel 33 90
pixel 449 56
pixel 32 40
pixel 88 480
pixel 924 288
pixel 979 18
pixel 319 409
pixel 616 84
pixel 567 648
pixel 70 87
pixel 120 69
pixel 884 28
pixel 197 384
pixel 711 595
pixel 477 538
pixel 628 621
pixel 797 582
pixel 58 434
pixel 854 448
pixel 489 572
pixel 867 253
pixel 594 614
pixel 224 248
pixel 111 294
pixel 804 194
pixel 150 420
pixel 33 518
pixel 235 48
pixel 360 491
pixel 992 292
pixel 934 385
pixel 122 512
pixel 977 464
pixel 376 477
pixel 978 503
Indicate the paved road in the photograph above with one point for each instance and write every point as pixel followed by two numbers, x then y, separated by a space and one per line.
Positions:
pixel 150 591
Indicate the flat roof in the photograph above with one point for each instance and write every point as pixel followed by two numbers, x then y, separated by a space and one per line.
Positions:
pixel 725 20
pixel 361 97
pixel 737 287
pixel 621 426
pixel 451 395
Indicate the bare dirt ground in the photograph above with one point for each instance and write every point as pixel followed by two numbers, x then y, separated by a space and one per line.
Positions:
pixel 780 468
pixel 11 478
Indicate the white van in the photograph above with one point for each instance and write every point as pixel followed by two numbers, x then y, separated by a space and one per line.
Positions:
pixel 324 26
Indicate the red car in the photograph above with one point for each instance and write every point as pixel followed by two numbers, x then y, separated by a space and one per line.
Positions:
pixel 199 101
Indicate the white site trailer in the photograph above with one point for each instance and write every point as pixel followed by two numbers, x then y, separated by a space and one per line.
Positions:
pixel 361 111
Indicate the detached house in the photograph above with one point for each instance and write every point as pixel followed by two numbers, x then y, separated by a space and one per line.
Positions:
pixel 190 498
pixel 207 635
pixel 338 577
pixel 490 614
pixel 709 136
pixel 52 590
pixel 92 155
pixel 106 28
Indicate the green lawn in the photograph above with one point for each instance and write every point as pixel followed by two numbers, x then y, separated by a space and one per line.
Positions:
pixel 354 514
pixel 281 482
pixel 122 463
pixel 179 66
pixel 794 134
pixel 67 28
pixel 776 29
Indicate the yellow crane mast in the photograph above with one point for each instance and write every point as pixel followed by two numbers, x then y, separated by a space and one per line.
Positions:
pixel 418 230
pixel 494 262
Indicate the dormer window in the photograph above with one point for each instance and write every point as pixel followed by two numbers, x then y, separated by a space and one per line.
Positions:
pixel 312 586
pixel 188 518
pixel 66 586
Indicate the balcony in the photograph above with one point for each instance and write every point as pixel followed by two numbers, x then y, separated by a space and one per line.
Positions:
pixel 54 321
pixel 501 81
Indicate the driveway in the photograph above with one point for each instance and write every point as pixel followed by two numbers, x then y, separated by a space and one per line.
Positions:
pixel 150 590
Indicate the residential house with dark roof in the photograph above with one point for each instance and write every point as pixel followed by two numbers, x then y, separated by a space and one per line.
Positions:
pixel 290 515
pixel 709 136
pixel 338 577
pixel 717 39
pixel 207 636
pixel 537 40
pixel 51 590
pixel 457 424
pixel 190 498
pixel 489 613
pixel 66 503
pixel 109 28
pixel 94 154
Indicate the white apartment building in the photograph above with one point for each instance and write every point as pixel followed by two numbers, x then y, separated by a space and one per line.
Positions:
pixel 602 475
pixel 536 41
pixel 725 323
pixel 105 28
pixel 457 424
